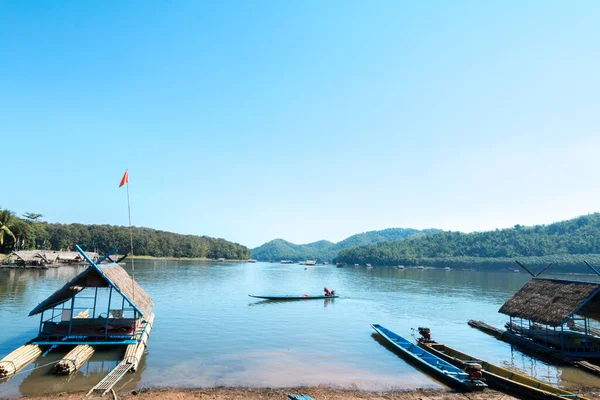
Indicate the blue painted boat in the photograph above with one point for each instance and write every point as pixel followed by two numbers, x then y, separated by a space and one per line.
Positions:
pixel 301 397
pixel 440 369
pixel 294 297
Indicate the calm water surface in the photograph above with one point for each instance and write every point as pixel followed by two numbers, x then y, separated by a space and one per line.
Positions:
pixel 208 331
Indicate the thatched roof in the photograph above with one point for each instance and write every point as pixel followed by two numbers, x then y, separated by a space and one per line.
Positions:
pixel 553 301
pixel 110 276
pixel 47 256
pixel 75 256
pixel 69 256
pixel 26 255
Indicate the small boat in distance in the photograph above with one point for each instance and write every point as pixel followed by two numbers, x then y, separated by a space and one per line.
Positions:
pixel 420 267
pixel 448 269
pixel 287 262
pixel 310 262
pixel 400 267
pixel 294 297
pixel 221 259
pixel 251 260
pixel 356 265
pixel 497 377
pixel 440 369
pixel 369 266
pixel 325 263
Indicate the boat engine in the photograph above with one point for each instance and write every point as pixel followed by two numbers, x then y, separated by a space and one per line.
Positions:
pixel 425 333
pixel 474 371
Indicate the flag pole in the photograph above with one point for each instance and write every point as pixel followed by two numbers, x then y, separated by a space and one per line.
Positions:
pixel 131 241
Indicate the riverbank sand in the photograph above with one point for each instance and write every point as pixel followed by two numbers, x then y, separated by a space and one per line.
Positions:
pixel 316 392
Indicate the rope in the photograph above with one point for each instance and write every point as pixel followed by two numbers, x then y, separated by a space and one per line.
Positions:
pixel 33 369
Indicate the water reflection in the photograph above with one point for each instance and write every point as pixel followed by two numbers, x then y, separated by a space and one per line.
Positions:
pixel 326 302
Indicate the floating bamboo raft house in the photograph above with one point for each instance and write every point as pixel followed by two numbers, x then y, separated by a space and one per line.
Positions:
pixel 44 259
pixel 102 306
pixel 557 313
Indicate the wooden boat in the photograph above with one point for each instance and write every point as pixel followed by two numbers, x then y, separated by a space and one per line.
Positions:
pixel 293 297
pixel 497 377
pixel 301 397
pixel 440 369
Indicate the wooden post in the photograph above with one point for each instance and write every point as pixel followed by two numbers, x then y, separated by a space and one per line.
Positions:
pixel 108 311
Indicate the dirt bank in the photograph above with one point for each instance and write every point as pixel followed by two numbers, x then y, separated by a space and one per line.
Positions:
pixel 316 392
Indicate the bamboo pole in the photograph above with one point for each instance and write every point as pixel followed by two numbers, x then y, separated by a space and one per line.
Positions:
pixel 74 360
pixel 19 358
pixel 134 352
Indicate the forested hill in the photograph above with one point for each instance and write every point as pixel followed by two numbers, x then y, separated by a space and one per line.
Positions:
pixel 146 241
pixel 324 250
pixel 576 236
pixel 31 233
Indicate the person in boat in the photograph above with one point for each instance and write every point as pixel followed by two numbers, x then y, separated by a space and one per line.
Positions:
pixel 328 292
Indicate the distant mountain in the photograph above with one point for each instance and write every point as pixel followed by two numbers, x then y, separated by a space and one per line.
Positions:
pixel 324 250
pixel 557 242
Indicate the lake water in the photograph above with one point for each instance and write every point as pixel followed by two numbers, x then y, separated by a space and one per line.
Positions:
pixel 208 332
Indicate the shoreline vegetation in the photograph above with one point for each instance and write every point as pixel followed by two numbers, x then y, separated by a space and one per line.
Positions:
pixel 186 259
pixel 565 244
pixel 29 232
pixel 324 250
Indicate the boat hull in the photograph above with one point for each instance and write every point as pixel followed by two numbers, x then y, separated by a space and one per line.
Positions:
pixel 438 368
pixel 294 297
pixel 500 378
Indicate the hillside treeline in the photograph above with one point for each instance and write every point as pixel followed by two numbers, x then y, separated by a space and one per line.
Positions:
pixel 29 232
pixel 324 250
pixel 577 236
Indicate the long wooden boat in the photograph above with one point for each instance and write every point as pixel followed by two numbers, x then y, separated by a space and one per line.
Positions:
pixel 497 377
pixel 440 369
pixel 294 297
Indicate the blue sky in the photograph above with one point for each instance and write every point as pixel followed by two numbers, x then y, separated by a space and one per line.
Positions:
pixel 304 120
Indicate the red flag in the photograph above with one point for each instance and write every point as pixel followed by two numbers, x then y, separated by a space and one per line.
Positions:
pixel 125 178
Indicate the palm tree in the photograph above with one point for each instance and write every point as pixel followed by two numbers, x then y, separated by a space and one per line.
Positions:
pixel 32 217
pixel 6 220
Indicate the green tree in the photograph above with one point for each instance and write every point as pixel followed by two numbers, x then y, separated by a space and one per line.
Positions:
pixel 32 217
pixel 7 219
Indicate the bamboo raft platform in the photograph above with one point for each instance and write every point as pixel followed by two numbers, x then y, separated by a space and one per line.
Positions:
pixel 125 323
pixel 134 352
pixel 110 380
pixel 133 355
pixel 74 360
pixel 544 352
pixel 18 359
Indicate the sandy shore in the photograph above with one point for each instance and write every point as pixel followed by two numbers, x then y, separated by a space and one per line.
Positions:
pixel 316 392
